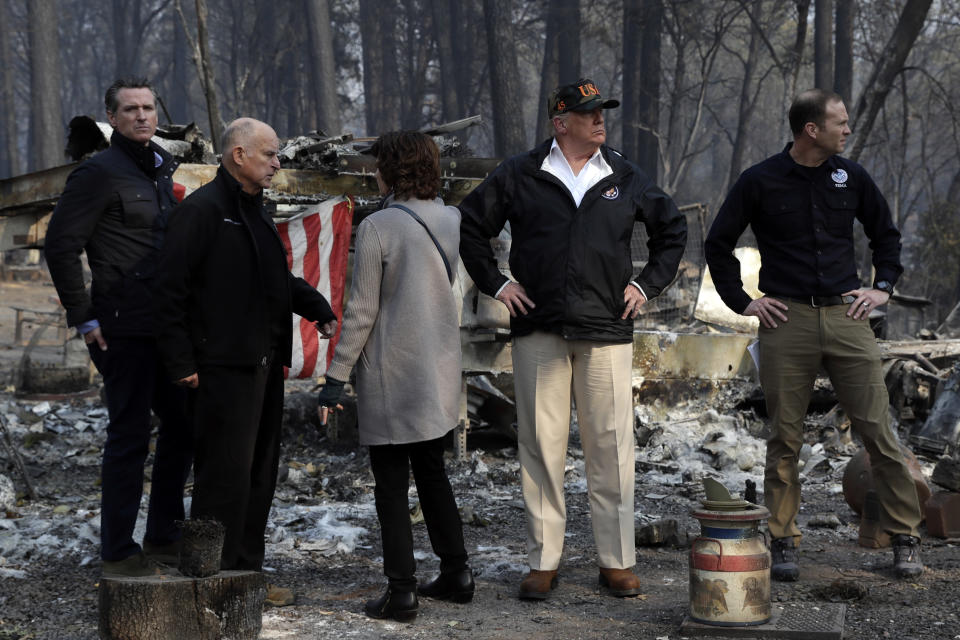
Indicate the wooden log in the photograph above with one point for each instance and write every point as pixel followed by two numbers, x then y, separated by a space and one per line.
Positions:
pixel 173 607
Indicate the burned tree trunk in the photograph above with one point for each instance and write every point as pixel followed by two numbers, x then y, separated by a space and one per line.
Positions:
pixel 442 34
pixel 380 92
pixel 747 99
pixel 205 65
pixel 509 136
pixel 561 55
pixel 823 44
pixel 177 96
pixel 796 54
pixel 46 120
pixel 124 54
pixel 323 71
pixel 9 154
pixel 843 60
pixel 415 56
pixel 467 41
pixel 889 65
pixel 201 58
pixel 227 605
pixel 641 82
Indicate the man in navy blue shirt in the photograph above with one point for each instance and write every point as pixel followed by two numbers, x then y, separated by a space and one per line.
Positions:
pixel 801 205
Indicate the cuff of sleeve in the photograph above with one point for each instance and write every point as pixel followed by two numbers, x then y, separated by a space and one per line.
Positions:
pixel 642 292
pixel 741 303
pixel 338 371
pixel 504 286
pixel 86 327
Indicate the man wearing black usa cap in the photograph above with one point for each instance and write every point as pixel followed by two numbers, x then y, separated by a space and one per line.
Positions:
pixel 801 204
pixel 571 204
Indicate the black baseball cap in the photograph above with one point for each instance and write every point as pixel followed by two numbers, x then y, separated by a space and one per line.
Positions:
pixel 582 95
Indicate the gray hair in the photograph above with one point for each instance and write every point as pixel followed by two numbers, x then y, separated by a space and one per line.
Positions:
pixel 237 133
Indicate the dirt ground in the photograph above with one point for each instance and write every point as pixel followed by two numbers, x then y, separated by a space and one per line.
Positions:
pixel 323 539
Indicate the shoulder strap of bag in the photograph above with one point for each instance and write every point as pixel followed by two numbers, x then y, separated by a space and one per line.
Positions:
pixel 446 263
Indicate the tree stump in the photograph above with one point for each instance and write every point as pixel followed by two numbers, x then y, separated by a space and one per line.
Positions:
pixel 172 607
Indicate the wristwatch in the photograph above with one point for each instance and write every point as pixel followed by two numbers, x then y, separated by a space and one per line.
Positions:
pixel 884 285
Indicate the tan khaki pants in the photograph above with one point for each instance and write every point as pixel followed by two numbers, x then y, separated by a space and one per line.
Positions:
pixel 545 367
pixel 790 357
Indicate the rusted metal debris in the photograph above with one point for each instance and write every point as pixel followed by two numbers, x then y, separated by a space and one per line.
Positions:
pixel 940 433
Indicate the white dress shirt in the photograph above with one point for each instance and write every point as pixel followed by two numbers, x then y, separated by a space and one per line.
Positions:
pixel 595 170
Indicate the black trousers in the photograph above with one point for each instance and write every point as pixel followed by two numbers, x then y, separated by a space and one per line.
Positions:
pixel 135 382
pixel 238 414
pixel 391 469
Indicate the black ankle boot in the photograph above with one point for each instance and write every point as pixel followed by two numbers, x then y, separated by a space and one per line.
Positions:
pixel 456 587
pixel 402 606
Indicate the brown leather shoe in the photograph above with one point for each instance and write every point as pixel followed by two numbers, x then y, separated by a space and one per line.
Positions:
pixel 619 582
pixel 538 584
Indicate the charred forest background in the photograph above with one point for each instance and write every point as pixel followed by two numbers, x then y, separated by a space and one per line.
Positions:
pixel 704 84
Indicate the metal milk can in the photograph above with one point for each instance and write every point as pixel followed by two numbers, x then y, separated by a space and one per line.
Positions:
pixel 729 563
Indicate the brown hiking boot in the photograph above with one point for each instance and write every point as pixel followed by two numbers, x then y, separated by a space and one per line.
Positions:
pixel 136 566
pixel 619 582
pixel 538 584
pixel 278 596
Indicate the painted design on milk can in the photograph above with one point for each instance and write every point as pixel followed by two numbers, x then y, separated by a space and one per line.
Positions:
pixel 729 562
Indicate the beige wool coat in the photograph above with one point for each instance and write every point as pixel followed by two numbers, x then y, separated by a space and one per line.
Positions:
pixel 400 326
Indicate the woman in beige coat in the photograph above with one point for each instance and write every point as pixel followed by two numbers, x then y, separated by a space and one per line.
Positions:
pixel 400 329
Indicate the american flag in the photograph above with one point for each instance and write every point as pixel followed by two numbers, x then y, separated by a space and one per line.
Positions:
pixel 317 239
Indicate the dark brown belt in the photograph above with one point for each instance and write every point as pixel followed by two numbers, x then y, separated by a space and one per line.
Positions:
pixel 819 301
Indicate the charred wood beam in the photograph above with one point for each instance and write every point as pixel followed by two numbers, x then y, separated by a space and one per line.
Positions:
pixel 929 349
pixel 31 191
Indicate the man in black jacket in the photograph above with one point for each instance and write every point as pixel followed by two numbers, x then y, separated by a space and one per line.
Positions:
pixel 224 307
pixel 572 203
pixel 801 204
pixel 115 207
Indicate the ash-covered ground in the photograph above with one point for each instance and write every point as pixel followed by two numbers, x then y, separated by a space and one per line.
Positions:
pixel 324 541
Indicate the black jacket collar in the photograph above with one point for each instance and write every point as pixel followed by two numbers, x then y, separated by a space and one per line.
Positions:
pixel 235 189
pixel 144 156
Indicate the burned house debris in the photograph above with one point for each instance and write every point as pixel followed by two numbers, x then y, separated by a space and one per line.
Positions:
pixel 698 415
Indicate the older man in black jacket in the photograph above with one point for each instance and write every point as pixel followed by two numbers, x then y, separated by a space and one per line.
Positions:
pixel 115 207
pixel 224 312
pixel 572 203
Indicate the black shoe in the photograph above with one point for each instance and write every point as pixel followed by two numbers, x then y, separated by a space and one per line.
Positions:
pixel 402 606
pixel 456 587
pixel 906 556
pixel 784 558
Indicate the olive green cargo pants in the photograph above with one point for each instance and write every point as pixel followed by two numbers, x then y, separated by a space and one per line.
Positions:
pixel 790 357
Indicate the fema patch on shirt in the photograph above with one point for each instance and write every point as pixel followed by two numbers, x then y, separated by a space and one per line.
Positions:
pixel 612 193
pixel 839 178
